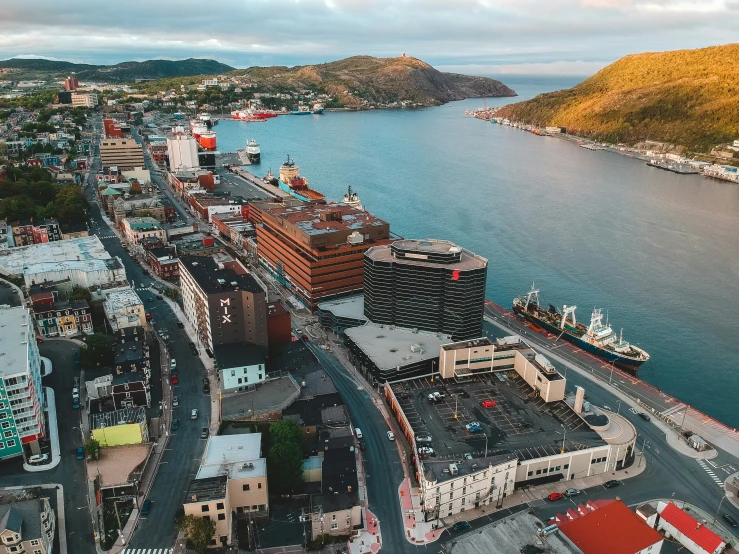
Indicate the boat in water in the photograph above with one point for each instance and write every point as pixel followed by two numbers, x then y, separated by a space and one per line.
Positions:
pixel 253 151
pixel 597 338
pixel 291 181
pixel 247 115
pixel 271 179
pixel 303 109
pixel 351 198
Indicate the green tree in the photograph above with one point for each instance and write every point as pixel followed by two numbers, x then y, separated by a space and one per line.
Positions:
pixel 97 351
pixel 285 456
pixel 199 531
pixel 92 449
pixel 81 293
pixel 72 206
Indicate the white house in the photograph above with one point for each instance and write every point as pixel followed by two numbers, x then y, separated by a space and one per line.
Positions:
pixel 241 366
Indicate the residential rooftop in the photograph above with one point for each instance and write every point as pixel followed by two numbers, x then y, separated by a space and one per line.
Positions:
pixel 207 489
pixel 118 417
pixel 143 223
pixel 518 424
pixel 233 448
pixel 22 517
pixel 389 346
pixel 81 251
pixel 16 329
pixel 121 299
pixel 215 278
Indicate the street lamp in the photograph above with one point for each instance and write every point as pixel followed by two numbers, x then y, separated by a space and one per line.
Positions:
pixel 719 508
pixel 564 437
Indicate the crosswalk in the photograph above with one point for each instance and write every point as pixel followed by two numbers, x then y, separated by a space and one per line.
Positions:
pixel 710 472
pixel 148 551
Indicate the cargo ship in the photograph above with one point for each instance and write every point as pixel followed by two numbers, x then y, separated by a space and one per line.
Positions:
pixel 207 140
pixel 253 151
pixel 291 181
pixel 246 115
pixel 597 338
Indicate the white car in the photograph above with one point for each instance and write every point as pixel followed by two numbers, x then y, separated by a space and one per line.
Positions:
pixel 175 401
pixel 194 414
pixel 425 450
pixel 173 364
pixel 38 458
pixel 390 436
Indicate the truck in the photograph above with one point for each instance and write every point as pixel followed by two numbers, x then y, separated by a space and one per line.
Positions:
pixel 436 397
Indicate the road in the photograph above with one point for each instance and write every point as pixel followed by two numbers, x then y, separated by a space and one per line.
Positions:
pixel 185 448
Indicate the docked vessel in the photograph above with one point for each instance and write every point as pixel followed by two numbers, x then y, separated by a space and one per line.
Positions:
pixel 206 120
pixel 291 181
pixel 197 128
pixel 246 115
pixel 253 153
pixel 271 179
pixel 304 109
pixel 597 338
pixel 207 139
pixel 351 198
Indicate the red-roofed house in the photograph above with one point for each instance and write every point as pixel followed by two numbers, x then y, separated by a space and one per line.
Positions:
pixel 694 536
pixel 608 526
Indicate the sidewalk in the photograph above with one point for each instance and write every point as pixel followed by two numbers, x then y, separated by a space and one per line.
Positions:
pixel 53 435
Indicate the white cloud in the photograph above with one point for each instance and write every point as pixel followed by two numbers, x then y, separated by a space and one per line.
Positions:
pixel 574 68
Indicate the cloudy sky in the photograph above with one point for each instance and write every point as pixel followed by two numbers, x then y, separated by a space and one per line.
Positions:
pixel 543 37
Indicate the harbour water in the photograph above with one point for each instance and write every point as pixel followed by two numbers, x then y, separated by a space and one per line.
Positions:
pixel 659 252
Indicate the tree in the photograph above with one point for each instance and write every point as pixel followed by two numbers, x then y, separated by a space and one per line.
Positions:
pixel 285 456
pixel 92 449
pixel 81 293
pixel 96 352
pixel 199 531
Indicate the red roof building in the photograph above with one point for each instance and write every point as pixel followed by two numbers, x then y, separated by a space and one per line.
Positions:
pixel 608 526
pixel 687 530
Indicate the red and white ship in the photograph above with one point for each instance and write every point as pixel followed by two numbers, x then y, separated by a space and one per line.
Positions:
pixel 246 115
pixel 207 139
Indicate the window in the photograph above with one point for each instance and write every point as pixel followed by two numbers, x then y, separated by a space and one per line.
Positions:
pixel 259 485
pixel 559 467
pixel 221 517
pixel 8 434
pixel 219 506
pixel 233 373
pixel 567 466
pixel 5 424
pixel 36 552
pixel 530 473
pixel 245 487
pixel 334 526
pixel 333 517
pixel 538 472
pixel 204 508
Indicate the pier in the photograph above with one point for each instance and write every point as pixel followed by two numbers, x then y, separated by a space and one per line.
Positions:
pixel 675 167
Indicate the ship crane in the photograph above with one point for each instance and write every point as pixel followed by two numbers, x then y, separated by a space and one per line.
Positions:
pixel 568 310
pixel 532 295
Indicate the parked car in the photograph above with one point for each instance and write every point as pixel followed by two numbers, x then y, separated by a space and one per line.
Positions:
pixel 488 403
pixel 460 525
pixel 473 427
pixel 173 363
pixel 38 458
pixel 406 386
pixel 362 445
pixel 148 317
pixel 555 496
pixel 175 401
pixel 572 492
pixel 612 483
pixel 390 436
pixel 39 340
pixel 175 424
pixel 427 450
pixel 730 520
pixel 194 413
pixel 424 438
pixel 80 453
pixel 159 297
pixel 175 379
pixel 644 416
pixel 204 433
pixel 76 403
pixel 150 299
pixel 145 506
pixel 305 338
pixel 180 325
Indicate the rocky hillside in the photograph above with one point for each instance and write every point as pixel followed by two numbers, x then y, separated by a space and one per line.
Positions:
pixel 119 73
pixel 685 97
pixel 380 80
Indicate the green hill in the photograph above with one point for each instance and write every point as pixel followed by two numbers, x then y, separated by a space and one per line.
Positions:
pixel 378 79
pixel 119 73
pixel 684 97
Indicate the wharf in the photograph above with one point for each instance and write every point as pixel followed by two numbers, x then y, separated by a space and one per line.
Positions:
pixel 679 168
pixel 274 192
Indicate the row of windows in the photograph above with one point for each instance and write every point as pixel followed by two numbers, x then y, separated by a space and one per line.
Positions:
pixel 473 361
pixel 550 470
pixel 9 444
pixel 597 460
pixel 246 486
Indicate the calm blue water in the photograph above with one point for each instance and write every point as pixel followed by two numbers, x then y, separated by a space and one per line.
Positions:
pixel 658 251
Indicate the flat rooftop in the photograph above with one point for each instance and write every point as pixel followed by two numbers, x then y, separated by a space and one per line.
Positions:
pixel 516 533
pixel 215 278
pixel 234 470
pixel 233 448
pixel 520 423
pixel 118 417
pixel 270 396
pixel 237 355
pixel 207 489
pixel 427 253
pixel 16 330
pixel 318 219
pixel 81 250
pixel 121 299
pixel 484 341
pixel 351 307
pixel 389 346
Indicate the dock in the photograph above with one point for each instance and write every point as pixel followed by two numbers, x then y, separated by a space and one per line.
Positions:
pixel 261 184
pixel 675 167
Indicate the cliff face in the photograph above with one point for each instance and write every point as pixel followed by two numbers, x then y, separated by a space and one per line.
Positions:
pixel 382 80
pixel 684 97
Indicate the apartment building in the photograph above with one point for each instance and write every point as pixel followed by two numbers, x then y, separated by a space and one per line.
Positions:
pixel 136 229
pixel 223 302
pixel 123 309
pixel 27 527
pixel 21 393
pixel 84 100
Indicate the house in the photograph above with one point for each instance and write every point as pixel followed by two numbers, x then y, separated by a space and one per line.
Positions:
pixel 60 319
pixel 123 308
pixel 27 526
pixel 135 229
pixel 74 231
pixel 240 366
pixel 130 390
pixel 163 263
pixel 693 535
pixel 610 522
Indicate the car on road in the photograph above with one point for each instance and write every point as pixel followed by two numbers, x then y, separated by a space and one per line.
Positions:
pixel 80 453
pixel 76 403
pixel 390 436
pixel 572 492
pixel 427 450
pixel 460 526
pixel 644 416
pixel 555 496
pixel 148 317
pixel 730 520
pixel 38 458
pixel 194 413
pixel 173 363
pixel 175 424
pixel 473 427
pixel 145 507
pixel 39 340
pixel 362 445
pixel 204 433
pixel 150 299
pixel 180 325
pixel 612 483
pixel 424 438
pixel 175 401
pixel 488 403
pixel 175 379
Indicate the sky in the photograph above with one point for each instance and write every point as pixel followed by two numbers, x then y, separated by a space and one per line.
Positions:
pixel 482 37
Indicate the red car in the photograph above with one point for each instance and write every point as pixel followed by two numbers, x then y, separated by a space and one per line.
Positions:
pixel 175 380
pixel 488 403
pixel 39 340
pixel 555 496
